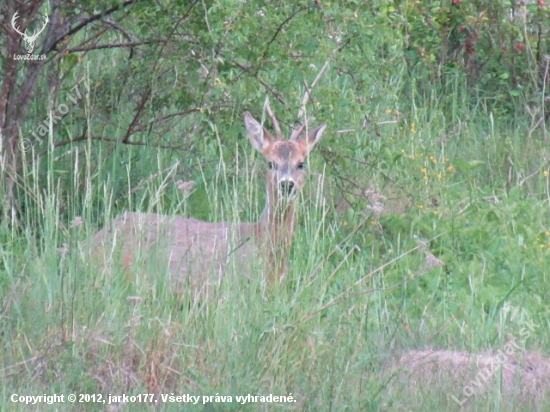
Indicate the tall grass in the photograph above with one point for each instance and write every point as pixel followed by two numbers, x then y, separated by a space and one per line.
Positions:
pixel 360 290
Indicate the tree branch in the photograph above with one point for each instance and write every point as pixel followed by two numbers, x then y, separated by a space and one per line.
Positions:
pixel 137 116
pixel 83 22
pixel 114 46
pixel 300 9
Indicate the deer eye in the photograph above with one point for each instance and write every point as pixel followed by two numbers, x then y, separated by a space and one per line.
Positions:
pixel 271 165
pixel 301 165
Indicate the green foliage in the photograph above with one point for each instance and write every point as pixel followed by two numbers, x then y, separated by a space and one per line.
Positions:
pixel 436 149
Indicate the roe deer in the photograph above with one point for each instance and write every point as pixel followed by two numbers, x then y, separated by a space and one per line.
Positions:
pixel 196 252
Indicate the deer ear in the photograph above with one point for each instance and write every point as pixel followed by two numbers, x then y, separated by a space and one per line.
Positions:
pixel 310 139
pixel 258 135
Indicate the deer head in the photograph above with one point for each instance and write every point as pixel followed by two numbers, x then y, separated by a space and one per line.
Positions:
pixel 285 158
pixel 28 40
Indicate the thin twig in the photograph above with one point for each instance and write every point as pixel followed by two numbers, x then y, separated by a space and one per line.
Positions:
pixel 114 45
pixel 305 99
pixel 105 139
pixel 83 22
pixel 543 97
pixel 279 29
pixel 278 95
pixel 273 119
pixel 309 89
pixel 138 114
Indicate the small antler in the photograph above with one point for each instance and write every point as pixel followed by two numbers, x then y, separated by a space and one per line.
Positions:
pixel 301 113
pixel 296 132
pixel 271 115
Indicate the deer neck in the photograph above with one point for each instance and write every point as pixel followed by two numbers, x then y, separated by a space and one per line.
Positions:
pixel 275 230
pixel 277 220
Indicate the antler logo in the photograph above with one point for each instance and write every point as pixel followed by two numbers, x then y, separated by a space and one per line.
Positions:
pixel 28 40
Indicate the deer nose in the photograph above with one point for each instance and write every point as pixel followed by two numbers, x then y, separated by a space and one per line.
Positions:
pixel 287 187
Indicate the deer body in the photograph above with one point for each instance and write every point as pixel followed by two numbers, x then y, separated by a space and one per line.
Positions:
pixel 199 253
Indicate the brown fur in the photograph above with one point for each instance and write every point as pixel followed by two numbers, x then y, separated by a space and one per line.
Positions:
pixel 197 253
